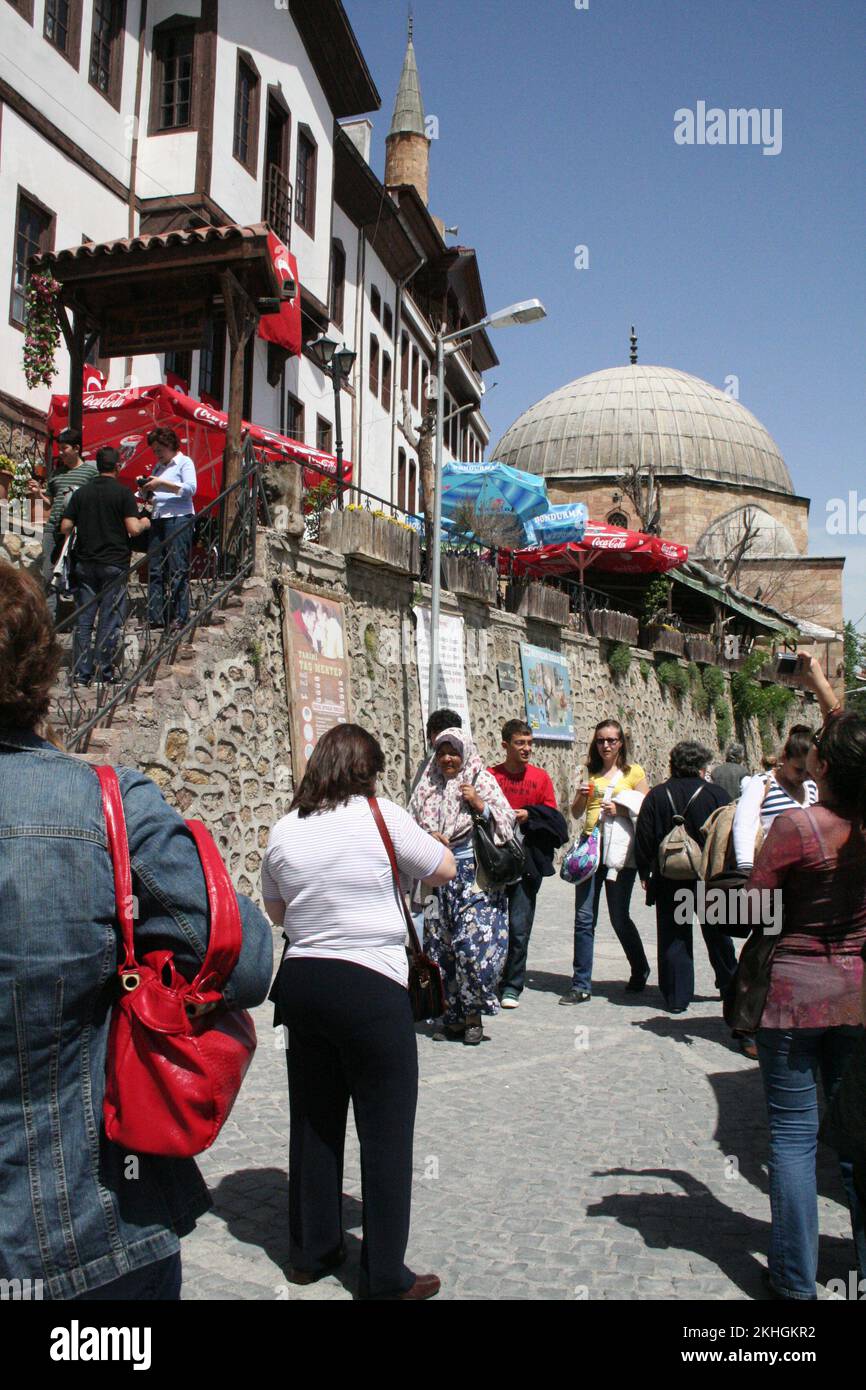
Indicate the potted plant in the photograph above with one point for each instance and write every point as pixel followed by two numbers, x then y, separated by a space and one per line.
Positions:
pixel 662 637
pixel 372 536
pixel 533 600
pixel 471 576
pixel 614 626
pixel 700 648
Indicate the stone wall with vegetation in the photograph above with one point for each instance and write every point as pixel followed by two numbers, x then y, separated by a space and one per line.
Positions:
pixel 214 733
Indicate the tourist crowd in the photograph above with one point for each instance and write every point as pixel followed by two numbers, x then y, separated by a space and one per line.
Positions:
pixel 472 848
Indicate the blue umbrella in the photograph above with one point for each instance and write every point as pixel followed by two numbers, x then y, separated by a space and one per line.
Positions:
pixel 494 489
pixel 559 525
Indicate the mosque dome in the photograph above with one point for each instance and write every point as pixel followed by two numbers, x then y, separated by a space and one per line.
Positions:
pixel 602 424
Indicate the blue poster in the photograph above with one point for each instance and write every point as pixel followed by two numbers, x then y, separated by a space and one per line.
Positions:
pixel 547 685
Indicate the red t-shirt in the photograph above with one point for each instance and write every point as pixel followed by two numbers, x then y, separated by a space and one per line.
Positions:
pixel 530 787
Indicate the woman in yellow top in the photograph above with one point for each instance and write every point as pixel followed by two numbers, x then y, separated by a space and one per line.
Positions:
pixel 609 772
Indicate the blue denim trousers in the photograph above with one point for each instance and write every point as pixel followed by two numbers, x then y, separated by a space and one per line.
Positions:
pixel 106 584
pixel 169 554
pixel 159 1280
pixel 521 915
pixel 790 1062
pixel 587 897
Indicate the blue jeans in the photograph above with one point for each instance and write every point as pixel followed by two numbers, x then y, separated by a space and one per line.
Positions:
pixel 521 915
pixel 790 1061
pixel 106 584
pixel 160 1280
pixel 587 897
pixel 168 564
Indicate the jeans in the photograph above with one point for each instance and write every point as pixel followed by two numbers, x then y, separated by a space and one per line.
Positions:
pixel 106 584
pixel 790 1061
pixel 676 947
pixel 587 897
pixel 168 564
pixel 49 539
pixel 351 1038
pixel 521 915
pixel 160 1280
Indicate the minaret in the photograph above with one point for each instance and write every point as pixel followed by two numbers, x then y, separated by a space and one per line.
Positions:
pixel 407 148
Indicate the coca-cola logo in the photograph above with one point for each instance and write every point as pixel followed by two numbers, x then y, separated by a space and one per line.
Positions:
pixel 107 400
pixel 210 417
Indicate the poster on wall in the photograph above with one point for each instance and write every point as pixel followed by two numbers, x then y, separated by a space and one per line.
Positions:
pixel 547 685
pixel 317 671
pixel 452 666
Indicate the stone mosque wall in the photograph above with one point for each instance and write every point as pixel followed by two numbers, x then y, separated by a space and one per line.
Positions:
pixel 215 732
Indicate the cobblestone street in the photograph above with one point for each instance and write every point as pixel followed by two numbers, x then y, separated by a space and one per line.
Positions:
pixel 607 1151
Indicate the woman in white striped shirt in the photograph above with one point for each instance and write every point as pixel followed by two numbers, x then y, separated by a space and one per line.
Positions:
pixel 785 787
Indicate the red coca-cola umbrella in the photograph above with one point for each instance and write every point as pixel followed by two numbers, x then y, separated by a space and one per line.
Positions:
pixel 123 420
pixel 608 548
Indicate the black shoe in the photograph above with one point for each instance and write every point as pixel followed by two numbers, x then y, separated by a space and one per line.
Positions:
pixel 677 1011
pixel 637 983
pixel 576 996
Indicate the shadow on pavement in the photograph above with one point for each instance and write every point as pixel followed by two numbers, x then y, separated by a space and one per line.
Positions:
pixel 254 1204
pixel 687 1029
pixel 695 1219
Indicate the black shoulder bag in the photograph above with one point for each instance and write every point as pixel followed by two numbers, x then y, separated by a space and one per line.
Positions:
pixel 426 991
pixel 501 865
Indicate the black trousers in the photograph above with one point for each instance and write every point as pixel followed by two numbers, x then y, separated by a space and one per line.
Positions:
pixel 351 1037
pixel 676 951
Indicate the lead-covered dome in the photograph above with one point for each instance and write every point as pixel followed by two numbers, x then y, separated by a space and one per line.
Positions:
pixel 603 423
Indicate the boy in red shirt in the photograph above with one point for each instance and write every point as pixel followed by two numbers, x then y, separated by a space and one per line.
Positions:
pixel 529 792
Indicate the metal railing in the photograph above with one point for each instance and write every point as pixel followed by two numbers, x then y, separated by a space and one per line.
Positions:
pixel 22 443
pixel 137 635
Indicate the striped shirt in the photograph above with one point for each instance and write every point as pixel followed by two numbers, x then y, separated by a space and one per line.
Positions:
pixel 333 874
pixel 763 799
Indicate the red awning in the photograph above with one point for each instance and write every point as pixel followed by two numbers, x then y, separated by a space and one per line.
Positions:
pixel 123 420
pixel 610 548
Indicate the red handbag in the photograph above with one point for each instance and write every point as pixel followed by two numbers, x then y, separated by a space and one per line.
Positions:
pixel 176 1054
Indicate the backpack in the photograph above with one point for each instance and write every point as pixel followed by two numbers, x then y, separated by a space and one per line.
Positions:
pixel 679 854
pixel 718 861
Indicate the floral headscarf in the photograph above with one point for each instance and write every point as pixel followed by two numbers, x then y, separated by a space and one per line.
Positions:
pixel 438 806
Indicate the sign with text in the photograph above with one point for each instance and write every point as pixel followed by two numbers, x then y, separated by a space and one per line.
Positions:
pixel 547 683
pixel 317 671
pixel 452 666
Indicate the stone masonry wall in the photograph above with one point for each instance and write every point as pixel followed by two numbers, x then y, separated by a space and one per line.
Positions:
pixel 213 731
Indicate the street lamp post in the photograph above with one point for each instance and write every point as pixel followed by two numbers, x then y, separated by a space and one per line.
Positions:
pixel 527 311
pixel 337 366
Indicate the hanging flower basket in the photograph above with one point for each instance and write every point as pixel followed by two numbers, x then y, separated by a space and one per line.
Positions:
pixel 532 600
pixel 372 536
pixel 614 626
pixel 42 330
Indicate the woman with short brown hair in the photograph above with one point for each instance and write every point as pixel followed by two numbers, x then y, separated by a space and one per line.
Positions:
pixel 341 991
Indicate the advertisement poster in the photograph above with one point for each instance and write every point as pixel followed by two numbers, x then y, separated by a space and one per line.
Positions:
pixel 547 685
pixel 317 671
pixel 452 666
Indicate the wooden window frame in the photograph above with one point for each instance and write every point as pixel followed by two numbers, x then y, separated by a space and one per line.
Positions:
pixel 72 52
pixel 50 233
pixel 160 31
pixel 24 8
pixel 404 361
pixel 276 99
pixel 184 375
pixel 115 63
pixel 388 320
pixel 374 377
pixel 376 303
pixel 308 222
pixel 414 377
pixel 401 479
pixel 387 380
pixel 412 487
pixel 251 163
pixel 338 287
pixel 300 415
pixel 218 371
pixel 326 425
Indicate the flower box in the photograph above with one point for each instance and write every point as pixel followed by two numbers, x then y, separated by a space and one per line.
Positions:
pixel 614 626
pixel 531 600
pixel 373 537
pixel 662 639
pixel 701 649
pixel 469 576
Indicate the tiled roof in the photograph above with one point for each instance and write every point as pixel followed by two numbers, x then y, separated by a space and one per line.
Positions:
pixel 123 246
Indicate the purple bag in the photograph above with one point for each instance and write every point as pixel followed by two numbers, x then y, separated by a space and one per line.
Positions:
pixel 582 859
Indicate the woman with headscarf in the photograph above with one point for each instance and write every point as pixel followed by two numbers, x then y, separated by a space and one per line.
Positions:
pixel 467 926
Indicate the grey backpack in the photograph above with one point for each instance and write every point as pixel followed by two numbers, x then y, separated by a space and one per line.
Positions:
pixel 679 854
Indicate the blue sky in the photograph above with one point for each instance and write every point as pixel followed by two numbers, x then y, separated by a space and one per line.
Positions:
pixel 556 129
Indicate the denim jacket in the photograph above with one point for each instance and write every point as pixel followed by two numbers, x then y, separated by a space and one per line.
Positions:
pixel 76 1211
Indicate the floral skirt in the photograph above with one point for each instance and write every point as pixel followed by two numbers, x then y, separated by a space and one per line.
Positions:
pixel 466 933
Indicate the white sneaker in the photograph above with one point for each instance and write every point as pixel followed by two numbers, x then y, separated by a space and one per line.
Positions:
pixel 510 999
